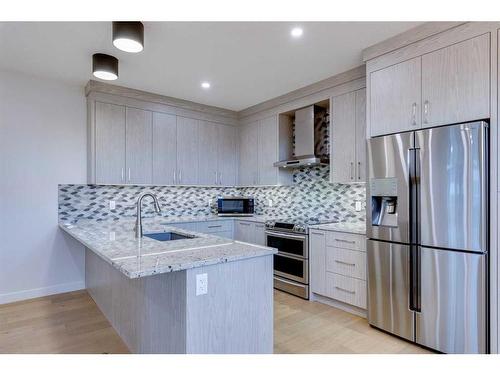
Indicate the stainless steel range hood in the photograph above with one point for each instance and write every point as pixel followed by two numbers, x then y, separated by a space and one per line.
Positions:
pixel 305 141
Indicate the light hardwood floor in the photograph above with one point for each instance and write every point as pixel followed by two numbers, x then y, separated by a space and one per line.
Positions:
pixel 72 323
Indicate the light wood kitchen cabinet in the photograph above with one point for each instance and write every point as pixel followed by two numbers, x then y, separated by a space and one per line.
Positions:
pixel 456 83
pixel 187 151
pixel 138 146
pixel 109 143
pixel 208 173
pixel 317 251
pixel 248 231
pixel 338 266
pixel 164 148
pixel 348 137
pixel 248 167
pixel 268 151
pixel 227 155
pixel 395 98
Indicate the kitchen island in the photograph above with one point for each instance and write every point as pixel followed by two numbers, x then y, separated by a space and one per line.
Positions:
pixel 197 294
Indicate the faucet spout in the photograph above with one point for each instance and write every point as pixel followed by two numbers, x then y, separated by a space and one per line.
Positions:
pixel 138 220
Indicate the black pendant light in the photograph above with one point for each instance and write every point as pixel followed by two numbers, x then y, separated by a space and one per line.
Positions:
pixel 128 36
pixel 105 66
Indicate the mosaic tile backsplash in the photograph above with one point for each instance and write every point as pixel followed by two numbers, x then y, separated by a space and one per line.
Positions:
pixel 310 196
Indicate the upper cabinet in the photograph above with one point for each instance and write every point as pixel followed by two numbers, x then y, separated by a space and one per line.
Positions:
pixel 227 151
pixel 395 98
pixel 187 151
pixel 348 137
pixel 259 150
pixel 109 143
pixel 164 149
pixel 208 173
pixel 138 146
pixel 446 86
pixel 456 83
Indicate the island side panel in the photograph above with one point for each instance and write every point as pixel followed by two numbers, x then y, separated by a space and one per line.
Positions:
pixel 236 315
pixel 148 313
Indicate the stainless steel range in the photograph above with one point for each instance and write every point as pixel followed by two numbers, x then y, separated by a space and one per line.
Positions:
pixel 291 264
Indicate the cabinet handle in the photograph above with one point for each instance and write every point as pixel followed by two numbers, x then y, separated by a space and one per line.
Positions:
pixel 215 226
pixel 220 178
pixel 123 174
pixel 359 170
pixel 245 224
pixel 215 177
pixel 426 111
pixel 129 175
pixel 345 290
pixel 346 263
pixel 345 241
pixel 414 114
pixel 180 176
pixel 174 177
pixel 318 233
pixel 352 165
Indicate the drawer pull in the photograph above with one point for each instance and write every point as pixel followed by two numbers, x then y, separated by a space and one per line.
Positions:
pixel 215 226
pixel 318 233
pixel 245 224
pixel 345 290
pixel 345 241
pixel 346 263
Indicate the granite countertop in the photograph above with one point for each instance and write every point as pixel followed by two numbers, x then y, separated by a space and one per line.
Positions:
pixel 115 242
pixel 193 219
pixel 347 227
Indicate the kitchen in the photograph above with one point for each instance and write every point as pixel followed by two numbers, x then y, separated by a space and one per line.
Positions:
pixel 354 214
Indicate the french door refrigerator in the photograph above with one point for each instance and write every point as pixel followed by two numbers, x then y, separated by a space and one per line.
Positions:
pixel 427 229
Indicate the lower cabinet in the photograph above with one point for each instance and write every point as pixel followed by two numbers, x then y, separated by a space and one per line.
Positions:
pixel 338 266
pixel 251 232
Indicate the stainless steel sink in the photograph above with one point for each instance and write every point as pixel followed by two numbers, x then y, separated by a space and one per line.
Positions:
pixel 167 236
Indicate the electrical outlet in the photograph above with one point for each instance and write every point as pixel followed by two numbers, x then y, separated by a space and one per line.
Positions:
pixel 270 202
pixel 112 236
pixel 201 284
pixel 112 205
pixel 357 205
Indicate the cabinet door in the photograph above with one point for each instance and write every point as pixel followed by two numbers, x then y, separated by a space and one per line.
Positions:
pixel 226 160
pixel 244 231
pixel 343 138
pixel 207 153
pixel 395 98
pixel 110 143
pixel 139 145
pixel 259 234
pixel 249 138
pixel 164 148
pixel 268 151
pixel 456 83
pixel 360 113
pixel 317 256
pixel 187 151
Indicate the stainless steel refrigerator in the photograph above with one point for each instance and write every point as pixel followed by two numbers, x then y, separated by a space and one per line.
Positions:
pixel 428 236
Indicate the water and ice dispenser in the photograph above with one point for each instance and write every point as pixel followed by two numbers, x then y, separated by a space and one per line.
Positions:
pixel 384 196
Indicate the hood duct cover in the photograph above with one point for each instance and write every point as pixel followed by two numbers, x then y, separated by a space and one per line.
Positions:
pixel 311 139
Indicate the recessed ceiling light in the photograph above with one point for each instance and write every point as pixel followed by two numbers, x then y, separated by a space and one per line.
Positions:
pixel 205 85
pixel 297 32
pixel 104 66
pixel 128 36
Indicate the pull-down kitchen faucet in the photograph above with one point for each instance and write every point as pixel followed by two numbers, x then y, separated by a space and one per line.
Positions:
pixel 138 220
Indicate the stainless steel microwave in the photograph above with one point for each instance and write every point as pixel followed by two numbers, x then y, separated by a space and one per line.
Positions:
pixel 235 206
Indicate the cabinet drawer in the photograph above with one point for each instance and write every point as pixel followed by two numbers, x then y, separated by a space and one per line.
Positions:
pixel 346 262
pixel 346 289
pixel 346 241
pixel 215 226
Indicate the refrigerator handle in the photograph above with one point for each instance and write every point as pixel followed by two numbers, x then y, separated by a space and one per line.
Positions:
pixel 415 281
pixel 414 177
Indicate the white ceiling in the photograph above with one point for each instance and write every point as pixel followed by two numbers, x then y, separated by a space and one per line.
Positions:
pixel 246 62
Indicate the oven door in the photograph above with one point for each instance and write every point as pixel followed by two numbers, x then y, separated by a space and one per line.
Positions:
pixel 291 267
pixel 295 245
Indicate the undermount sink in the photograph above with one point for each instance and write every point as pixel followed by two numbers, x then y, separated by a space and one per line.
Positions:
pixel 167 236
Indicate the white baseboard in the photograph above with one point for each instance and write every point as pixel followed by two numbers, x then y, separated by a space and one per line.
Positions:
pixel 41 292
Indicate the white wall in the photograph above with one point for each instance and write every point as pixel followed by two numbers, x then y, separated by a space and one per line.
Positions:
pixel 42 144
